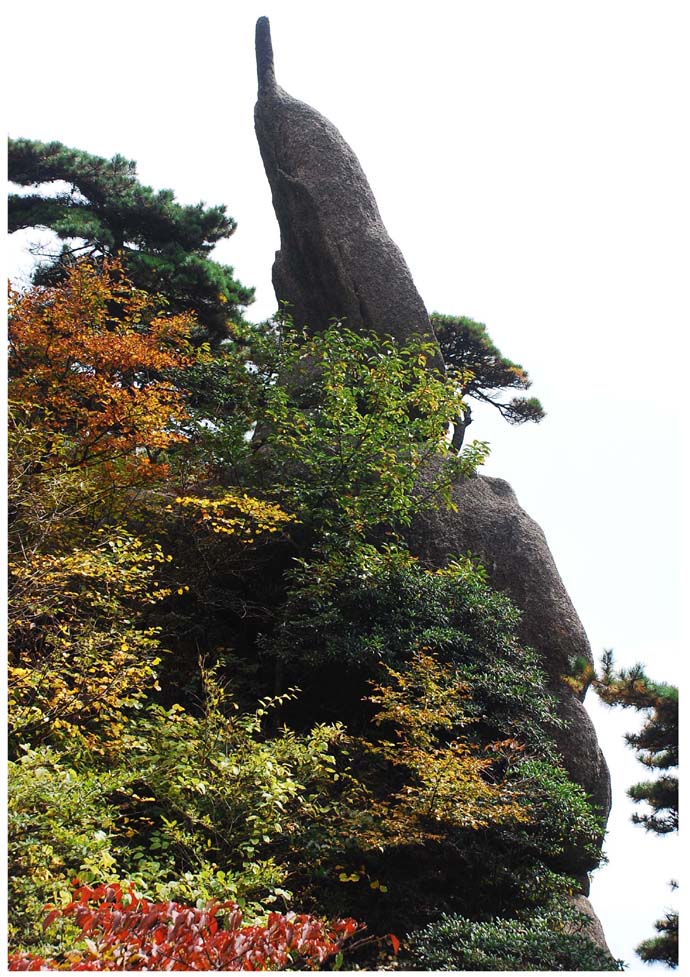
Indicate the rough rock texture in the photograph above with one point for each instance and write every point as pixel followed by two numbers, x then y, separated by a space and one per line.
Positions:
pixel 594 930
pixel 491 524
pixel 336 258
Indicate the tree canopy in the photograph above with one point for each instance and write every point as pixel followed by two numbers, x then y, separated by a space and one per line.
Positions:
pixel 482 372
pixel 97 207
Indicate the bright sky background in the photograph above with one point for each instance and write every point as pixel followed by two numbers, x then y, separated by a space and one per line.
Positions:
pixel 530 158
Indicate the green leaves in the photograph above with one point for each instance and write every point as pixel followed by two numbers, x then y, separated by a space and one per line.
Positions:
pixel 351 425
pixel 553 941
pixel 60 822
pixel 561 817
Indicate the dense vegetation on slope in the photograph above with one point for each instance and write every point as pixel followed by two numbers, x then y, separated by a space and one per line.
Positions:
pixel 229 680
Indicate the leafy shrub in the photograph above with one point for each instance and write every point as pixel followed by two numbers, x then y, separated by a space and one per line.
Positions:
pixel 561 817
pixel 80 661
pixel 350 425
pixel 553 941
pixel 364 607
pixel 444 775
pixel 123 932
pixel 191 807
pixel 225 803
pixel 61 823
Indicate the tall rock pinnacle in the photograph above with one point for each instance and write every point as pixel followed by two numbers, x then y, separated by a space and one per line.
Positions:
pixel 336 259
pixel 264 57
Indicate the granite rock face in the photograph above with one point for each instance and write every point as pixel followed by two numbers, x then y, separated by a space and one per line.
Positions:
pixel 336 259
pixel 491 524
pixel 593 929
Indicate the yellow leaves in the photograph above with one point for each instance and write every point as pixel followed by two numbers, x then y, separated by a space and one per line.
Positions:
pixel 80 663
pixel 237 515
pixel 449 782
pixel 17 674
pixel 360 875
pixel 113 566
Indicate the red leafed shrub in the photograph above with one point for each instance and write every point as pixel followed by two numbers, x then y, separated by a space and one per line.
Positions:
pixel 140 935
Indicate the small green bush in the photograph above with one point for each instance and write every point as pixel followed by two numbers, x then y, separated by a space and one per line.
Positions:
pixel 60 824
pixel 548 942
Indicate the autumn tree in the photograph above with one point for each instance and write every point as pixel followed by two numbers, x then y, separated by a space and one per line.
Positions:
pixel 99 209
pixel 482 372
pixel 91 420
pixel 86 365
pixel 656 745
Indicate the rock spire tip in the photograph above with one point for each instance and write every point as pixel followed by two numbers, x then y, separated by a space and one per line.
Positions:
pixel 264 57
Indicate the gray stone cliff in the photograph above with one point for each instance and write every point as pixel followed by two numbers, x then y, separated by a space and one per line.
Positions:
pixel 337 260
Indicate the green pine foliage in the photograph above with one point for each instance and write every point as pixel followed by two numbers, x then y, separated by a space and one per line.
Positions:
pixel 105 211
pixel 482 372
pixel 656 745
pixel 664 947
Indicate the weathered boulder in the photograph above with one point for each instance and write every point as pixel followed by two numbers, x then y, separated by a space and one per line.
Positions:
pixel 491 524
pixel 336 259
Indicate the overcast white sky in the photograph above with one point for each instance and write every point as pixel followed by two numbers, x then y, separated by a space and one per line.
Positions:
pixel 530 158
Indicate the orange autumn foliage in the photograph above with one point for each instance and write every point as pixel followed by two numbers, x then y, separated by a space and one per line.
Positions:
pixel 87 363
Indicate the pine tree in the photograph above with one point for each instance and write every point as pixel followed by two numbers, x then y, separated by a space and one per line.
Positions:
pixel 483 372
pixel 664 947
pixel 657 747
pixel 656 743
pixel 106 212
